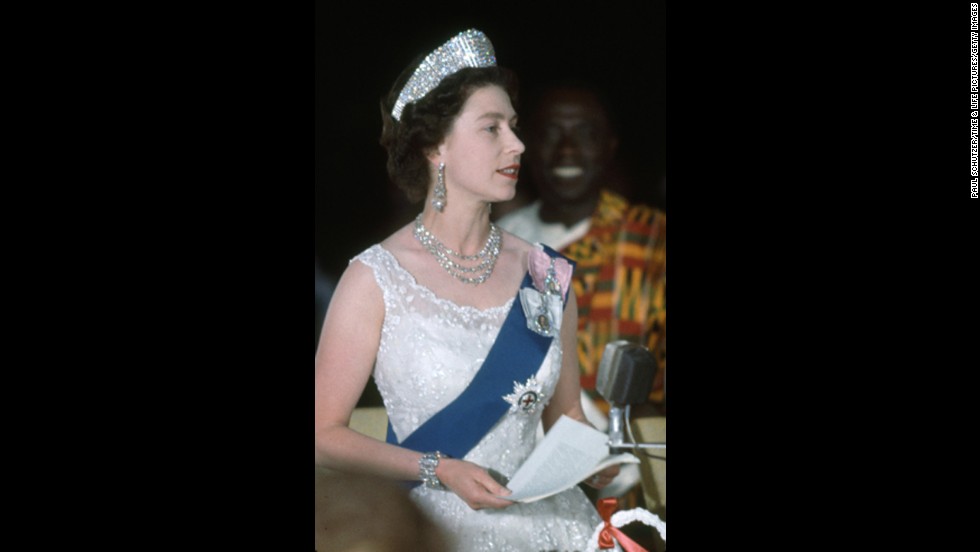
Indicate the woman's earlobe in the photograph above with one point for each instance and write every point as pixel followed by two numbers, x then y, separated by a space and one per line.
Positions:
pixel 434 156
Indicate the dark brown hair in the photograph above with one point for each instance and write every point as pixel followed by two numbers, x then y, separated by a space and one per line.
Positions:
pixel 425 123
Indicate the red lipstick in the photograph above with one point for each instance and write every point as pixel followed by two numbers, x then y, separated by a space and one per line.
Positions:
pixel 510 171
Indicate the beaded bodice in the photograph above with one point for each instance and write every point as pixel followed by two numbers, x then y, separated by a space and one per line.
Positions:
pixel 429 351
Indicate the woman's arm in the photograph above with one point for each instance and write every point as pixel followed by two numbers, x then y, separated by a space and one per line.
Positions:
pixel 567 398
pixel 344 361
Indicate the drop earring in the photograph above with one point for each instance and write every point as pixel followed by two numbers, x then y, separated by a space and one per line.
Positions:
pixel 439 192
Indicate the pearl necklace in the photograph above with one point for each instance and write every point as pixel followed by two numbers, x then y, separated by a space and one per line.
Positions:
pixel 487 256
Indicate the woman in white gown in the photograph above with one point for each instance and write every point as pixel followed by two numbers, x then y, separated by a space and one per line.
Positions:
pixel 434 313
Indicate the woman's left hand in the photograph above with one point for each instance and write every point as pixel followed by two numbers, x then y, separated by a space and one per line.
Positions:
pixel 603 478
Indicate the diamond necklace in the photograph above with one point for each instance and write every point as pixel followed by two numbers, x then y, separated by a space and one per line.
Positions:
pixel 487 256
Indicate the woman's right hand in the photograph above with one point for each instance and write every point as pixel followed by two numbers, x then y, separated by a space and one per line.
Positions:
pixel 472 483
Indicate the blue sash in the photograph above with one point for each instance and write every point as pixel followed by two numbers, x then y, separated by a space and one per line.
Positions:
pixel 516 355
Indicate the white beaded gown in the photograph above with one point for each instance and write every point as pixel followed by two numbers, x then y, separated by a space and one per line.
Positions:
pixel 430 350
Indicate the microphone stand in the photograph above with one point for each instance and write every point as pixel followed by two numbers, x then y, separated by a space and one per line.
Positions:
pixel 616 443
pixel 624 378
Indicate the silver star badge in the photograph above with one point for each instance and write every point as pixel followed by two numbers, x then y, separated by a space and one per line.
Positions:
pixel 526 397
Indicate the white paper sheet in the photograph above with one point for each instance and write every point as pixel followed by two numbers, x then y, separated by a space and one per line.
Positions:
pixel 569 453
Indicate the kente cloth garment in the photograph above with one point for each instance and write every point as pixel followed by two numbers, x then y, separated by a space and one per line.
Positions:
pixel 430 349
pixel 620 280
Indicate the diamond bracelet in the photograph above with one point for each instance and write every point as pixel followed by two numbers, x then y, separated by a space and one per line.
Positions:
pixel 427 470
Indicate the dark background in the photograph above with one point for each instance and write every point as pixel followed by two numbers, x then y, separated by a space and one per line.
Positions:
pixel 621 46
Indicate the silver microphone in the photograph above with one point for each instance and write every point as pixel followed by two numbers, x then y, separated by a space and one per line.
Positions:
pixel 626 373
pixel 625 377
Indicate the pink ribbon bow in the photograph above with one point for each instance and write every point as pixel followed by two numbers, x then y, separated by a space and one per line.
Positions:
pixel 539 262
pixel 606 507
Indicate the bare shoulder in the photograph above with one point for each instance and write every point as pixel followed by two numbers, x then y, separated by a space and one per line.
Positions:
pixel 408 252
pixel 514 244
pixel 514 248
pixel 357 282
pixel 360 280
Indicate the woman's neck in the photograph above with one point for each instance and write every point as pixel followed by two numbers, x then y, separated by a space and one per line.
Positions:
pixel 459 228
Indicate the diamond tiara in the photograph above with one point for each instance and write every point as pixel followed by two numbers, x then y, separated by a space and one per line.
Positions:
pixel 470 48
